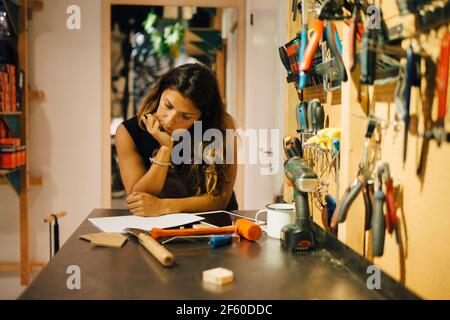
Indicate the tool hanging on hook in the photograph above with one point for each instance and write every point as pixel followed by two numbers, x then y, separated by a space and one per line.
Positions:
pixel 442 88
pixel 412 80
pixel 366 167
pixel 303 43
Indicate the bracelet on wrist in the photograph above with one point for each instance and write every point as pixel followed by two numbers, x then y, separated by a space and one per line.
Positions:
pixel 155 161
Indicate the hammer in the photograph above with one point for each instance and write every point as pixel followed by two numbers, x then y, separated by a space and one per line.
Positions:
pixel 245 228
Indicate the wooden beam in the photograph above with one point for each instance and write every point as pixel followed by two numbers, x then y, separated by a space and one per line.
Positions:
pixel 25 275
pixel 35 266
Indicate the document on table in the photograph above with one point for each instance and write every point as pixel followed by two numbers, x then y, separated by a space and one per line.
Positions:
pixel 118 224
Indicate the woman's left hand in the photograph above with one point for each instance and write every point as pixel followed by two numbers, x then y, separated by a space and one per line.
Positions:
pixel 146 205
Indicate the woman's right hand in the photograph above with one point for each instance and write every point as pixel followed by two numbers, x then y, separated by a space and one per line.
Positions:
pixel 154 128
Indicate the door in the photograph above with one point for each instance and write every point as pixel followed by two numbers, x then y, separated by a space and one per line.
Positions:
pixel 263 102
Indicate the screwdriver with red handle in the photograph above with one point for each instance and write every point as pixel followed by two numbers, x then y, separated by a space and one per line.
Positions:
pixel 391 215
pixel 442 87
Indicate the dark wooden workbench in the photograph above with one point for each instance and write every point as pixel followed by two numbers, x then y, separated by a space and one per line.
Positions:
pixel 262 270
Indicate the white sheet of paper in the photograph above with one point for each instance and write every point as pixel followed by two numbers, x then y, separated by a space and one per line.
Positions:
pixel 118 224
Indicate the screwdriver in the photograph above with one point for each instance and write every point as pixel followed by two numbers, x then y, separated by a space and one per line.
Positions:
pixel 315 116
pixel 303 42
pixel 319 116
pixel 368 194
pixel 302 115
pixel 309 118
pixel 412 79
pixel 297 114
pixel 391 216
pixel 442 87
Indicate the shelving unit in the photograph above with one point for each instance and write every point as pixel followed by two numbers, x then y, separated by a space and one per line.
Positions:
pixel 18 122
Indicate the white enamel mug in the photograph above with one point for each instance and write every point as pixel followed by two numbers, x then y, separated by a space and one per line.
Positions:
pixel 278 215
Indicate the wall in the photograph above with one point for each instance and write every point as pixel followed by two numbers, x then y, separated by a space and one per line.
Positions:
pixel 64 131
pixel 422 261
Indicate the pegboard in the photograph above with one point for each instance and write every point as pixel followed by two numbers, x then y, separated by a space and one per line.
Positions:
pixel 421 261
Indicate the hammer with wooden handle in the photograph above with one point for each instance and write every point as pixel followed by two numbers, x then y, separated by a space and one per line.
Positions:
pixel 164 256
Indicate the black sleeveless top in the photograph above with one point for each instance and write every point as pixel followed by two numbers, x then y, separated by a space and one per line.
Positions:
pixel 177 184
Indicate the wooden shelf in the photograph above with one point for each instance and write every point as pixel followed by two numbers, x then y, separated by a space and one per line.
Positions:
pixel 16 113
pixel 7 171
pixel 34 181
pixel 35 266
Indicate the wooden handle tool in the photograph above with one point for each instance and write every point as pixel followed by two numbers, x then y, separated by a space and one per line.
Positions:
pixel 164 256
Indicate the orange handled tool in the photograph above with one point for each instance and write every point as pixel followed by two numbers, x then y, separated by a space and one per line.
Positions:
pixel 306 63
pixel 245 228
pixel 442 76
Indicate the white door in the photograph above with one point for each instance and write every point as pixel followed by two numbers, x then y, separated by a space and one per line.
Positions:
pixel 264 94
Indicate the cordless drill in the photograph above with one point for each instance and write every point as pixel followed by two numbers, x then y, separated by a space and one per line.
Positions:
pixel 299 236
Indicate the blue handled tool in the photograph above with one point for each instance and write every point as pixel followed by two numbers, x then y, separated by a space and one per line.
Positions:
pixel 336 145
pixel 220 241
pixel 303 42
pixel 303 115
pixel 338 42
pixel 331 206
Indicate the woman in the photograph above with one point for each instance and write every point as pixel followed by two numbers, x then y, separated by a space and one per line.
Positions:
pixel 144 143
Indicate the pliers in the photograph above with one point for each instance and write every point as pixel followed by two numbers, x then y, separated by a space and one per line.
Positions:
pixel 366 167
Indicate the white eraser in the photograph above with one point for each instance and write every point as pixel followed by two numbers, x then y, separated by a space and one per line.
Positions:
pixel 218 276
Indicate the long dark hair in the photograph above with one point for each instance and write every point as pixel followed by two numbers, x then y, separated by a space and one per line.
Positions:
pixel 197 83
